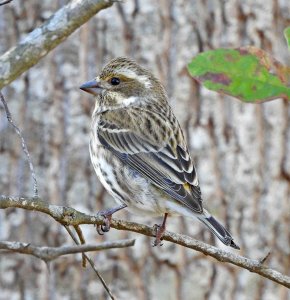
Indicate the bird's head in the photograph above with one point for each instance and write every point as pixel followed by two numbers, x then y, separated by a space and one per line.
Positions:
pixel 123 83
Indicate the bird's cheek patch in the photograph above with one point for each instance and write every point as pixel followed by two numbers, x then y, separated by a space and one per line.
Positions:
pixel 130 100
pixel 145 81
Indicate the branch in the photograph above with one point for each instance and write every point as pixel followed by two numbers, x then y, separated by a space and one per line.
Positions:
pixel 82 241
pixel 43 39
pixel 70 216
pixel 5 2
pixel 23 144
pixel 48 254
pixel 92 264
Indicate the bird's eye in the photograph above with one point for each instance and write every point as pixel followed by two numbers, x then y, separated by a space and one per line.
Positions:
pixel 115 81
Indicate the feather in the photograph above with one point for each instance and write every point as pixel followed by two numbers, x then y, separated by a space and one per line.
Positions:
pixel 170 169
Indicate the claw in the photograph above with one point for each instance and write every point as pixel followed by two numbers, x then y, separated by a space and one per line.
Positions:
pixel 157 243
pixel 99 230
pixel 107 224
pixel 159 232
pixel 107 214
pixel 105 227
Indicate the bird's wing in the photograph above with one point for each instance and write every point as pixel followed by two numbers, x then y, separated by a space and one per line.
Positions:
pixel 165 163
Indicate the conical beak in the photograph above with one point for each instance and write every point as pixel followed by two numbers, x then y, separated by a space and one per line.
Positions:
pixel 93 87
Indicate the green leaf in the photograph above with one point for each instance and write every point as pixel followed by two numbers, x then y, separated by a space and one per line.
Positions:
pixel 287 36
pixel 249 74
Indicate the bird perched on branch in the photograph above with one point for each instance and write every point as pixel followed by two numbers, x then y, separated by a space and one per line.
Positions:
pixel 139 151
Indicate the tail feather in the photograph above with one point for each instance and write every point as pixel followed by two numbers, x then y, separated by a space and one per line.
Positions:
pixel 218 230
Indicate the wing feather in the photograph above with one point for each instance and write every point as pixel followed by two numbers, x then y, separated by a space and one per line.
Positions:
pixel 170 169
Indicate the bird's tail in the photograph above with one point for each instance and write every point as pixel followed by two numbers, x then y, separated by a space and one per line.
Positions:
pixel 218 230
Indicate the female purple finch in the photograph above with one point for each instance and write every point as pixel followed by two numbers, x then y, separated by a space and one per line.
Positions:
pixel 139 151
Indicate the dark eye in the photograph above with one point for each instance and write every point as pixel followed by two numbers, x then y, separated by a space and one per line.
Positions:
pixel 115 81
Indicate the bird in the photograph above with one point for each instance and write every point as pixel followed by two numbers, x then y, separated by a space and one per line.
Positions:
pixel 139 151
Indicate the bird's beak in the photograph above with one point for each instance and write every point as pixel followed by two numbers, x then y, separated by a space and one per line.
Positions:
pixel 92 87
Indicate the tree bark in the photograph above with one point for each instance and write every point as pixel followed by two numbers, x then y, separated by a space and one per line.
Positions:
pixel 242 151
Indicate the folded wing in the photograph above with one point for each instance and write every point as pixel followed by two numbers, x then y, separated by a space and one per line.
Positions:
pixel 167 165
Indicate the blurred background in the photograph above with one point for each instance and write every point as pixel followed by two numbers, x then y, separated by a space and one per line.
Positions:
pixel 242 152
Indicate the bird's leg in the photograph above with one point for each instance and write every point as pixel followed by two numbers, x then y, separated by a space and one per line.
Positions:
pixel 107 214
pixel 160 231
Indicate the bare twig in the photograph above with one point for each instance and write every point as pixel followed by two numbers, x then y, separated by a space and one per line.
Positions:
pixel 23 144
pixel 82 240
pixel 48 254
pixel 263 260
pixel 92 265
pixel 70 216
pixel 43 39
pixel 5 2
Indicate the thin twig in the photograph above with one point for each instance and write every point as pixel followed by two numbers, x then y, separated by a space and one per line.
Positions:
pixel 70 216
pixel 23 144
pixel 48 254
pixel 92 265
pixel 263 260
pixel 82 240
pixel 5 2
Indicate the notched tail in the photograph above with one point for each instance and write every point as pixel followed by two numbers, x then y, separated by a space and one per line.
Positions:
pixel 218 230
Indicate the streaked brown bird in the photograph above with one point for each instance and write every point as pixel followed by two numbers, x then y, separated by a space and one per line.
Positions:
pixel 138 149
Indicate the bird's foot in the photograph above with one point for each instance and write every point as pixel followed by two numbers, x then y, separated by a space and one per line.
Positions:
pixel 160 229
pixel 105 227
pixel 159 233
pixel 107 214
